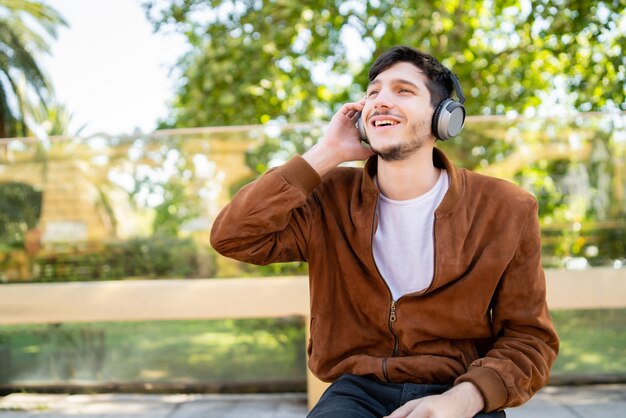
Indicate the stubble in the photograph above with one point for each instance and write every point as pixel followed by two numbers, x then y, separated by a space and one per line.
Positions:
pixel 419 134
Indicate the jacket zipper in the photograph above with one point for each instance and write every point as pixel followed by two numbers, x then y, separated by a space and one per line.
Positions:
pixel 393 316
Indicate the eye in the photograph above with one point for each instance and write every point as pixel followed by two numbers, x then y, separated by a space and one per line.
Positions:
pixel 372 92
pixel 403 90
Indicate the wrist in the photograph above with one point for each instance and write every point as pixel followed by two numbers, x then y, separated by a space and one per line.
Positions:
pixel 322 158
pixel 468 395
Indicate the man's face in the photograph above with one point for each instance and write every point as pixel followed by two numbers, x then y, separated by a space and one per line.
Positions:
pixel 397 112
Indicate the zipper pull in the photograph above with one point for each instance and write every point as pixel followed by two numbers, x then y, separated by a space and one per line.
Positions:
pixel 392 316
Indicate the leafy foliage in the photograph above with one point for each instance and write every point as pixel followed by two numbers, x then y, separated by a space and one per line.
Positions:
pixel 25 28
pixel 254 61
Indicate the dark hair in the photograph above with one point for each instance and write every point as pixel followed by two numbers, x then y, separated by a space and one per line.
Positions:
pixel 439 84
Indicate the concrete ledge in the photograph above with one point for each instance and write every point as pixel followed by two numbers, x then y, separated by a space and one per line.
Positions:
pixel 596 288
pixel 137 300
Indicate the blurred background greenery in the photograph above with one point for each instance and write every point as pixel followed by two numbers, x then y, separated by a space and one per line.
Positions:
pixel 252 62
pixel 291 60
pixel 241 355
pixel 545 88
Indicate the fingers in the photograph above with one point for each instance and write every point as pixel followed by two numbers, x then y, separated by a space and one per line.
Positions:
pixel 351 110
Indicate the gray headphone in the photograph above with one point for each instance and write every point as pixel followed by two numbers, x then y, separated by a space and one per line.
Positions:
pixel 448 118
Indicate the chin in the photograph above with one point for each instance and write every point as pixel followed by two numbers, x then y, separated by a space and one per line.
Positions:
pixel 385 145
pixel 398 152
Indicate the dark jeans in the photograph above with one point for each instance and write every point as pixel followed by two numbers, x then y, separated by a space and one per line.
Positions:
pixel 360 397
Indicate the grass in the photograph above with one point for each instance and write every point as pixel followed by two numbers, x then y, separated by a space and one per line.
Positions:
pixel 592 341
pixel 231 351
pixel 168 351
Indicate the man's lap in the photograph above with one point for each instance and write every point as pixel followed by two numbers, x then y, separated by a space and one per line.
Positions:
pixel 360 397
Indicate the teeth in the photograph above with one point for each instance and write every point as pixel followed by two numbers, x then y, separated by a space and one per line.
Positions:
pixel 385 122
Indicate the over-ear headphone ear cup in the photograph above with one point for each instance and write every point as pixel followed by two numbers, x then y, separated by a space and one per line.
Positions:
pixel 448 119
pixel 436 116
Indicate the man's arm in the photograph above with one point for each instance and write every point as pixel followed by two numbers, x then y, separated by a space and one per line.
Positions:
pixel 269 220
pixel 526 342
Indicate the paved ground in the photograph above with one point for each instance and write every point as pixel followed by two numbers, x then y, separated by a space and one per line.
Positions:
pixel 605 401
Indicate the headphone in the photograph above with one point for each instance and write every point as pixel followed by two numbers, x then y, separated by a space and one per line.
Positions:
pixel 448 118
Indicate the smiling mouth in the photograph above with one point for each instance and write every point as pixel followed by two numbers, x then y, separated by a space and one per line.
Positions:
pixel 385 122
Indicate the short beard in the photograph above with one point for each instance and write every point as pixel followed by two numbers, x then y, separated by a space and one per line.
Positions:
pixel 404 151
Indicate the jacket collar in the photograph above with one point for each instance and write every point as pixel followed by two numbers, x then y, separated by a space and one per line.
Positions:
pixel 440 160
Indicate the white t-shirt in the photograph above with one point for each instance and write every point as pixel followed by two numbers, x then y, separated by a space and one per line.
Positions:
pixel 404 249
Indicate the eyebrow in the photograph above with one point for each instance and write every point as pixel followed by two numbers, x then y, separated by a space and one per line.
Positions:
pixel 395 81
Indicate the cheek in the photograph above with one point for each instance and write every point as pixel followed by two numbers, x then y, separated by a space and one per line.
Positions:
pixel 424 118
pixel 422 126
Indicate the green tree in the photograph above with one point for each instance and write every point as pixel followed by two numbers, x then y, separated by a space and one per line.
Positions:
pixel 255 61
pixel 25 29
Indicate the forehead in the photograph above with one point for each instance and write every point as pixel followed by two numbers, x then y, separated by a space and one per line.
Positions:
pixel 402 71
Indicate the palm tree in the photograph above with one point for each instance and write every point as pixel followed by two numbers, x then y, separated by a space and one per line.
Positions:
pixel 25 27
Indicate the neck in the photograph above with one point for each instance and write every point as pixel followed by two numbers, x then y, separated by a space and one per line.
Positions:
pixel 409 178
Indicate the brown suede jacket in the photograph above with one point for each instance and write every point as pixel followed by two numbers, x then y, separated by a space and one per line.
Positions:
pixel 484 319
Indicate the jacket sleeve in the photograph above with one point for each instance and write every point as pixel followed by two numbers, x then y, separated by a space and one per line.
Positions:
pixel 268 220
pixel 526 343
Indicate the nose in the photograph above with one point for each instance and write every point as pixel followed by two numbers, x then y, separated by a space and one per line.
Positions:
pixel 383 100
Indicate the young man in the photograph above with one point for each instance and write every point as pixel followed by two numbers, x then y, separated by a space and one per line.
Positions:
pixel 427 291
